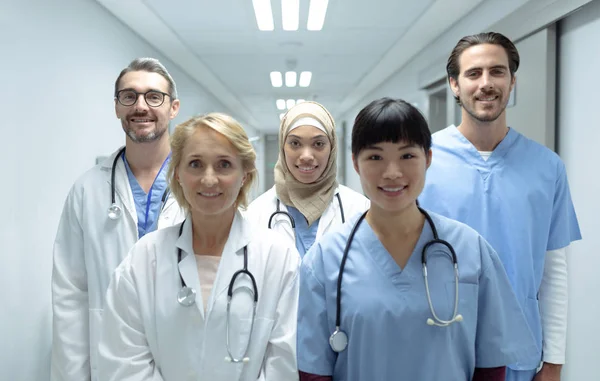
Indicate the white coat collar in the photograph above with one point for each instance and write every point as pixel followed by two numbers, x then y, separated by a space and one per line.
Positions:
pixel 231 258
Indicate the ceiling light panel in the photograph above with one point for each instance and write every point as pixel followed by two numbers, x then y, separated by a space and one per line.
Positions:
pixel 290 14
pixel 290 103
pixel 280 103
pixel 305 78
pixel 290 78
pixel 264 14
pixel 316 14
pixel 276 79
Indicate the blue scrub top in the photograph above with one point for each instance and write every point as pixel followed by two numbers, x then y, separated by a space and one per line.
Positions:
pixel 148 206
pixel 518 200
pixel 385 309
pixel 305 235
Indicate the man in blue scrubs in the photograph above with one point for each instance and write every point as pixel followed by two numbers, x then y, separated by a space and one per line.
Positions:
pixel 510 189
pixel 91 242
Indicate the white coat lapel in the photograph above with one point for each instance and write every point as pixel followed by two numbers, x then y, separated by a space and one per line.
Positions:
pixel 123 191
pixel 281 222
pixel 188 267
pixel 329 216
pixel 232 258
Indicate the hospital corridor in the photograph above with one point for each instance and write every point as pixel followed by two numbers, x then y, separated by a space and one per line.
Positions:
pixel 310 190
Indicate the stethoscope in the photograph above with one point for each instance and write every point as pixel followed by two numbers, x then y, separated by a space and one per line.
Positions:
pixel 289 216
pixel 114 210
pixel 187 297
pixel 339 340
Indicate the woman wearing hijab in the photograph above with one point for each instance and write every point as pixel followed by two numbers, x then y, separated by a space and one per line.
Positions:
pixel 307 200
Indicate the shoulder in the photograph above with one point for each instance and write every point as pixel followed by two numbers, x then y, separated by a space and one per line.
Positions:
pixel 538 152
pixel 272 245
pixel 258 205
pixel 146 248
pixel 352 200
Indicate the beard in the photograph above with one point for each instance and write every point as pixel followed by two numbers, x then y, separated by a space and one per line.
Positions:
pixel 484 117
pixel 148 137
pixel 145 137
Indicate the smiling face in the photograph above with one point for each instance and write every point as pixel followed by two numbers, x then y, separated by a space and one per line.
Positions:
pixel 211 173
pixel 143 123
pixel 484 82
pixel 392 174
pixel 307 151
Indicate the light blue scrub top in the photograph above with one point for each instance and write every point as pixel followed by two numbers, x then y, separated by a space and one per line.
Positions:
pixel 305 235
pixel 385 309
pixel 148 206
pixel 518 199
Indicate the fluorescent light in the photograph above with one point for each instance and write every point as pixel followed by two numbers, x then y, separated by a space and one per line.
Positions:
pixel 290 12
pixel 290 103
pixel 300 101
pixel 305 78
pixel 281 115
pixel 316 14
pixel 280 104
pixel 276 79
pixel 264 14
pixel 290 78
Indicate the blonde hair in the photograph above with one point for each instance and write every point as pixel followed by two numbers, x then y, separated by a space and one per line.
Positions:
pixel 235 134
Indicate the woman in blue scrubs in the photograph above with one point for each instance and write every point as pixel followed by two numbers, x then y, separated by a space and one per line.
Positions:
pixel 395 323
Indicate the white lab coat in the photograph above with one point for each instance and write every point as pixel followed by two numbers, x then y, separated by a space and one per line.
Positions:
pixel 261 209
pixel 87 249
pixel 148 336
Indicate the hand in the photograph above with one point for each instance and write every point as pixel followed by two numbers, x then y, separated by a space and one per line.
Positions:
pixel 549 372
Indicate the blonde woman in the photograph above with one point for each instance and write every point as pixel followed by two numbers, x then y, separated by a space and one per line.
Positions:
pixel 213 298
pixel 307 200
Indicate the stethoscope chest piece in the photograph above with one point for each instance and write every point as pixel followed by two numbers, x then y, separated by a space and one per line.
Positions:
pixel 186 296
pixel 114 212
pixel 338 340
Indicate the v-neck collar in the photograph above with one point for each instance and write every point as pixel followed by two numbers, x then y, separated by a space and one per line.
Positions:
pixel 384 260
pixel 470 154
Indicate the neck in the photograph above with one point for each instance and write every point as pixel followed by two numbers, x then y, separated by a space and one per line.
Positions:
pixel 211 232
pixel 485 136
pixel 147 157
pixel 396 225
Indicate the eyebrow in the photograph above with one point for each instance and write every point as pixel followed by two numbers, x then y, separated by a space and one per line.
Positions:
pixel 313 138
pixel 480 68
pixel 198 156
pixel 132 89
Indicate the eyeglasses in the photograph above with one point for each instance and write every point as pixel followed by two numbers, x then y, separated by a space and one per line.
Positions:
pixel 153 98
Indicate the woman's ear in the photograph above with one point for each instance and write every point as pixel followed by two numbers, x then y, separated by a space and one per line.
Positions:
pixel 429 156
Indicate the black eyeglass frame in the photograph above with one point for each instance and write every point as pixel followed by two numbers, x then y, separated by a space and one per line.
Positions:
pixel 137 96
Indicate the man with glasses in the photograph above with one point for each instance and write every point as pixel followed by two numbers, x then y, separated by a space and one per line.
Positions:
pixel 107 210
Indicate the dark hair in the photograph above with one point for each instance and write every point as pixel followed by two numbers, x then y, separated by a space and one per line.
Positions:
pixel 389 120
pixel 493 38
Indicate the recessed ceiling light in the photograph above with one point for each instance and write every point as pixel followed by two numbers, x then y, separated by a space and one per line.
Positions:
pixel 264 14
pixel 290 103
pixel 281 115
pixel 305 78
pixel 290 13
pixel 300 101
pixel 276 79
pixel 280 104
pixel 290 78
pixel 316 14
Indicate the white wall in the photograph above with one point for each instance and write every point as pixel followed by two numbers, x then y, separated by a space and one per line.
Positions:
pixel 578 137
pixel 59 63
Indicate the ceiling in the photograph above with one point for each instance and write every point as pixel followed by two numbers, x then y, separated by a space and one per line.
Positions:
pixel 218 44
